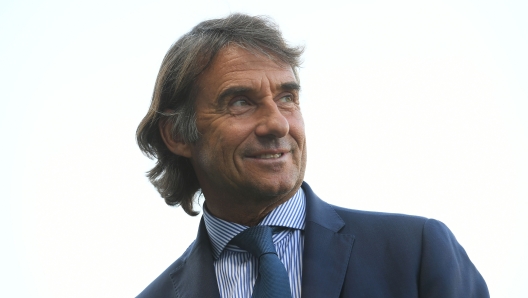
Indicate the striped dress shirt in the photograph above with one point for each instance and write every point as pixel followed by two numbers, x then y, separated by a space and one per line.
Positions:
pixel 236 269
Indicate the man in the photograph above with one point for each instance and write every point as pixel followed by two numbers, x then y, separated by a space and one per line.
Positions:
pixel 225 120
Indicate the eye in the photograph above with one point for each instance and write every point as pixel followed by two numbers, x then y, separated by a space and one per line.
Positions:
pixel 240 103
pixel 286 98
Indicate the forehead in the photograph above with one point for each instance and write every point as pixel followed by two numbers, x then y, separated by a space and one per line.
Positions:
pixel 234 66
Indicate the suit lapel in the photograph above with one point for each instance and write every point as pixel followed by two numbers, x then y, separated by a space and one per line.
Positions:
pixel 326 251
pixel 325 258
pixel 196 276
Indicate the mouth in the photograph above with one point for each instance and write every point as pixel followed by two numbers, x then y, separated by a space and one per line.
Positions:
pixel 269 156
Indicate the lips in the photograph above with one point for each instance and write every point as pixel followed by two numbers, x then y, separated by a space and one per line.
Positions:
pixel 277 150
pixel 269 156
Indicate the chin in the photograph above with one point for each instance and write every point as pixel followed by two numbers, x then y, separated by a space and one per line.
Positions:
pixel 276 188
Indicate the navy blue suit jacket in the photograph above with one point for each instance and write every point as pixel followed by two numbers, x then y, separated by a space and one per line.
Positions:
pixel 349 253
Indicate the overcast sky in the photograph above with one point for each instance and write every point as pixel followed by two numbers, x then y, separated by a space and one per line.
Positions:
pixel 409 107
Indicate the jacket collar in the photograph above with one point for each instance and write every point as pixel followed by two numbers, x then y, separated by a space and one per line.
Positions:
pixel 325 258
pixel 326 250
pixel 196 277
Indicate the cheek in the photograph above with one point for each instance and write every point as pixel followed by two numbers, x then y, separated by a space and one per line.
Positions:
pixel 212 134
pixel 297 128
pixel 223 143
pixel 234 132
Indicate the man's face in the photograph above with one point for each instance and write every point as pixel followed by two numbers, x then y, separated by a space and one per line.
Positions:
pixel 252 132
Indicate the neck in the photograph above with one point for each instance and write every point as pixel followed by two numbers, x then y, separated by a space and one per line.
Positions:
pixel 244 211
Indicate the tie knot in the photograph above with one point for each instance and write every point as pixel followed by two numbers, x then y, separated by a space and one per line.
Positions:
pixel 256 240
pixel 273 280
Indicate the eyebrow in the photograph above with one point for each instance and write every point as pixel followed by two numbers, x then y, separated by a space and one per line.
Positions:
pixel 290 86
pixel 240 90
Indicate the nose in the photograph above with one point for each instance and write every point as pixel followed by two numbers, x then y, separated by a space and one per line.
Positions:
pixel 272 122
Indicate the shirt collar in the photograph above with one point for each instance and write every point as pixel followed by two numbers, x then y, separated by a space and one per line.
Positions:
pixel 290 214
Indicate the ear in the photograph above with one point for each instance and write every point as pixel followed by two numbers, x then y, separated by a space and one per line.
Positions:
pixel 175 145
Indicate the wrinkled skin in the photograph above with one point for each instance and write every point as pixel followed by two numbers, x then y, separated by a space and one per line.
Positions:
pixel 251 155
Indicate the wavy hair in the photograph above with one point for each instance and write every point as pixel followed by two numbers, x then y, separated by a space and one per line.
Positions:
pixel 173 100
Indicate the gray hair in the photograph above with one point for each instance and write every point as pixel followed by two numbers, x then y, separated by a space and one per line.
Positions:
pixel 173 100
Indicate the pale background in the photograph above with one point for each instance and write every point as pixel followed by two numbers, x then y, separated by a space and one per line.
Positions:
pixel 410 107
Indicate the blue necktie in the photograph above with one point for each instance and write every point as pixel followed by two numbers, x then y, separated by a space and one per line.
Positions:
pixel 272 280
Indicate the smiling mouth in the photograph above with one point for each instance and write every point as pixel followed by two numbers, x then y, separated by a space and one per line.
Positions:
pixel 269 156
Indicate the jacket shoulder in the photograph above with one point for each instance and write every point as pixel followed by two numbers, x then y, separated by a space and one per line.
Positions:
pixel 427 250
pixel 372 223
pixel 162 286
